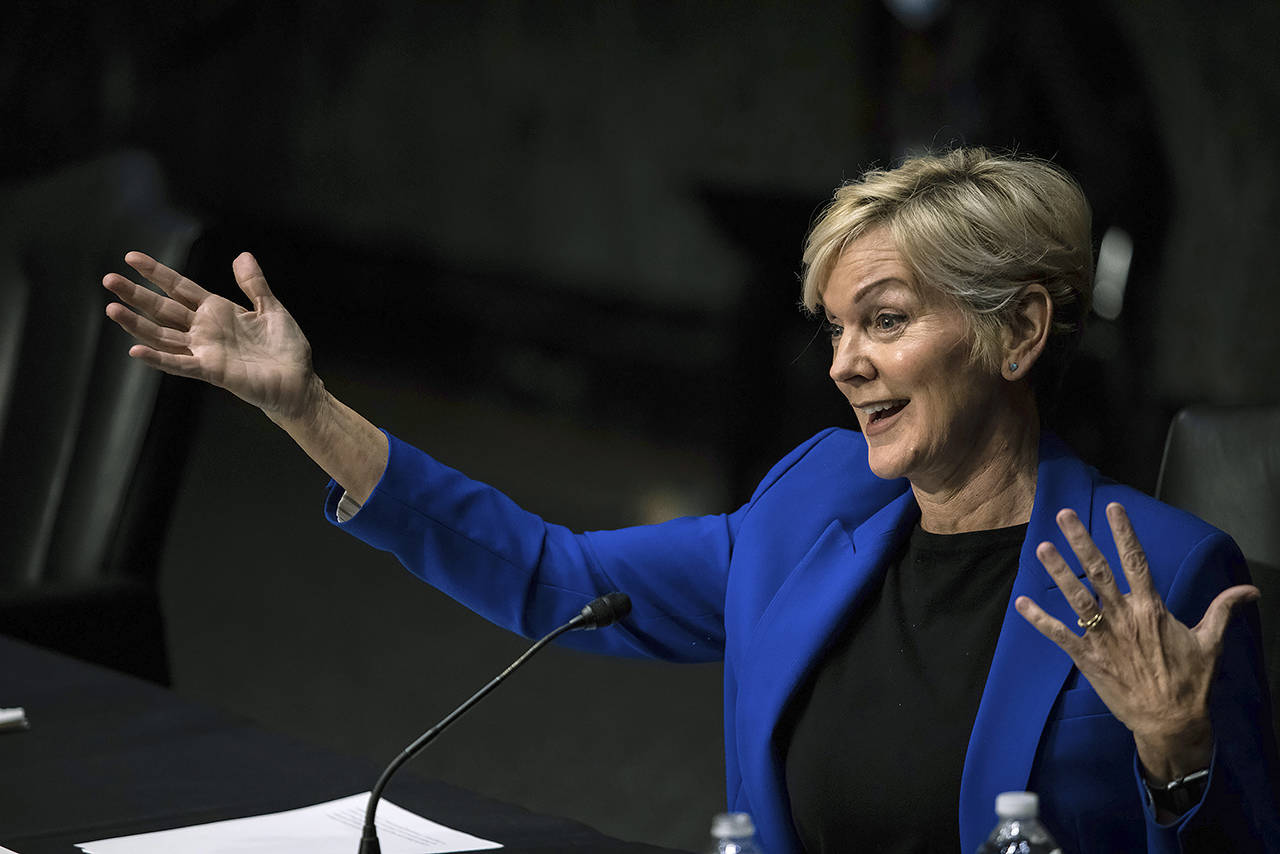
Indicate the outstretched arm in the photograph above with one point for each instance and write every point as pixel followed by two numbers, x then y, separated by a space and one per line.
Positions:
pixel 259 354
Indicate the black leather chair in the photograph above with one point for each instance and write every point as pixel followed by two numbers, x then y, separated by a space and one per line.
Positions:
pixel 1223 464
pixel 88 464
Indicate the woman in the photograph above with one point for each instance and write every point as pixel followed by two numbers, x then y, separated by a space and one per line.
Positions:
pixel 893 606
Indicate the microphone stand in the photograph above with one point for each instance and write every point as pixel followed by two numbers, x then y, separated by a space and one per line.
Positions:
pixel 601 612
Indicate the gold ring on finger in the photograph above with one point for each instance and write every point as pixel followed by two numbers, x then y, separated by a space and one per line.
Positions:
pixel 1090 623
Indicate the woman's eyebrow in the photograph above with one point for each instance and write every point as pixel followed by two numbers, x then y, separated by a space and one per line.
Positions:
pixel 879 284
pixel 865 291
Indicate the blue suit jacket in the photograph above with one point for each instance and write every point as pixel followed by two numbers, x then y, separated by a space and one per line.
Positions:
pixel 767 587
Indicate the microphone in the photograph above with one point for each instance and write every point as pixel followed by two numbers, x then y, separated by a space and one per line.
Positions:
pixel 602 612
pixel 596 614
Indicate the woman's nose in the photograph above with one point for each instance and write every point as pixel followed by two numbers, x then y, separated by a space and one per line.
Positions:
pixel 849 360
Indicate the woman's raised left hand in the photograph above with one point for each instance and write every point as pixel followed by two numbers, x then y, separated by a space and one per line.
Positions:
pixel 1152 671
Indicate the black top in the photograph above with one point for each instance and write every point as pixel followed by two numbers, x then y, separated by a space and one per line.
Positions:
pixel 875 739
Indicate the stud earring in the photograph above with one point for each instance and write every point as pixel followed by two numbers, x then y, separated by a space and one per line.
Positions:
pixel 1013 367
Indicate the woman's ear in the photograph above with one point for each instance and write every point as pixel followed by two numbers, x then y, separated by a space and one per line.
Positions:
pixel 1027 332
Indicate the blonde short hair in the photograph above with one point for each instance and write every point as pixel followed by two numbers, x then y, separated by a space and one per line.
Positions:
pixel 978 227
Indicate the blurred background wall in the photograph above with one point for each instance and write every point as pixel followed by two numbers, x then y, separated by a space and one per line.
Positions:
pixel 557 245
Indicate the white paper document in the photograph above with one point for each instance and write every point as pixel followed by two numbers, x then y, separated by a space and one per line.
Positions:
pixel 329 828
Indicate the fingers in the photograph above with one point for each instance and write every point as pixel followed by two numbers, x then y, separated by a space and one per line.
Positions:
pixel 171 363
pixel 1132 556
pixel 150 304
pixel 1216 617
pixel 250 279
pixel 1091 559
pixel 176 285
pixel 1048 626
pixel 1077 595
pixel 149 333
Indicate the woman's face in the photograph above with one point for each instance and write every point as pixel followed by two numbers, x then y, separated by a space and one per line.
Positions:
pixel 900 356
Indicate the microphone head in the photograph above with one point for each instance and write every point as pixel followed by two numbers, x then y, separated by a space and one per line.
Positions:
pixel 605 611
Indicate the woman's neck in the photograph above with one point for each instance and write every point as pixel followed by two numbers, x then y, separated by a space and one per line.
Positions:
pixel 994 487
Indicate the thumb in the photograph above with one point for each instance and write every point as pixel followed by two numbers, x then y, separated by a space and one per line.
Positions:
pixel 250 279
pixel 1220 611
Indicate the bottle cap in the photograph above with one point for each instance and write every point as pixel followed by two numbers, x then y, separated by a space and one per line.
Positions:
pixel 727 825
pixel 1017 805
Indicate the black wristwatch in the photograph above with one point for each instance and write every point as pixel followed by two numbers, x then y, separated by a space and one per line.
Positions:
pixel 1178 796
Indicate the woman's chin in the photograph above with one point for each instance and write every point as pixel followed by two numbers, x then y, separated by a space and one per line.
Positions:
pixel 886 467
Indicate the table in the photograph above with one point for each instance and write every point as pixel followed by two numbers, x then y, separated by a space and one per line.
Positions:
pixel 109 755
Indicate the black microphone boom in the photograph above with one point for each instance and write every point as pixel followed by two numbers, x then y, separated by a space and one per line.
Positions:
pixel 597 614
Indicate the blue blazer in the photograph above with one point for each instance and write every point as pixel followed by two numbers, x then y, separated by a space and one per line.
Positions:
pixel 765 588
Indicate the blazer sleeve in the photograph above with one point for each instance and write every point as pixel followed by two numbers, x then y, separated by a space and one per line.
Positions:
pixel 475 544
pixel 1238 811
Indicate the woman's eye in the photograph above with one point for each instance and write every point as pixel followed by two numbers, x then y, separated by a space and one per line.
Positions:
pixel 833 330
pixel 888 322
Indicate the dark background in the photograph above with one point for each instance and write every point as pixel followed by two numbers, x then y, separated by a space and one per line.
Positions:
pixel 557 244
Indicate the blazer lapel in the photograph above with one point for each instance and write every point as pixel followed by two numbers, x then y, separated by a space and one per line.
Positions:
pixel 806 612
pixel 1027 670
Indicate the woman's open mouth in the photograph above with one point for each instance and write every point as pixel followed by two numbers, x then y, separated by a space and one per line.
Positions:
pixel 880 416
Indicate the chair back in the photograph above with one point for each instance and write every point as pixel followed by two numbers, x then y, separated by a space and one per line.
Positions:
pixel 1223 465
pixel 75 410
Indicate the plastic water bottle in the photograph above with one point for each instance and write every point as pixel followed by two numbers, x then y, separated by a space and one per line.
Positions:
pixel 1019 830
pixel 734 833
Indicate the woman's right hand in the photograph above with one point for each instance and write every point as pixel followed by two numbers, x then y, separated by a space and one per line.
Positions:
pixel 259 355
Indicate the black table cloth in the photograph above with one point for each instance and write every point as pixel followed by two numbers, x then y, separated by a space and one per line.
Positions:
pixel 108 755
